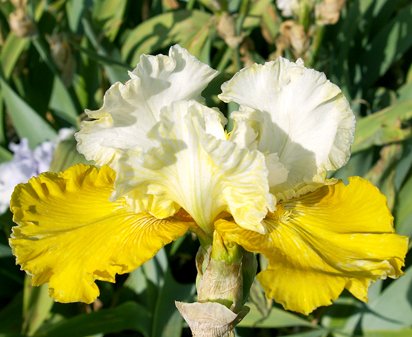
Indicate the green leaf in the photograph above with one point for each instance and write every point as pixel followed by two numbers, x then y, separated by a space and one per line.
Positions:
pixel 404 165
pixel 5 155
pixel 358 165
pixel 343 315
pixel 5 251
pixel 403 209
pixel 74 11
pixel 393 309
pixel 388 333
pixel 183 26
pixel 277 318
pixel 256 13
pixel 114 71
pixel 27 122
pixel 62 103
pixel 392 41
pixel 155 282
pixel 36 306
pixel 313 333
pixel 405 92
pixel 3 137
pixel 66 155
pixel 11 51
pixel 167 321
pixel 383 127
pixel 10 316
pixel 127 316
pixel 110 14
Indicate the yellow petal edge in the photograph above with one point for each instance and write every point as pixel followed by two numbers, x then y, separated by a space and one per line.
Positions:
pixel 339 236
pixel 69 234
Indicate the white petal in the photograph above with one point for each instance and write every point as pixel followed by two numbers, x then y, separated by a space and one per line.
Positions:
pixel 130 110
pixel 288 7
pixel 297 114
pixel 196 168
pixel 246 134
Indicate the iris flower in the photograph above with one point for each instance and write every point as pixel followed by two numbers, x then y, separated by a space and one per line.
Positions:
pixel 165 165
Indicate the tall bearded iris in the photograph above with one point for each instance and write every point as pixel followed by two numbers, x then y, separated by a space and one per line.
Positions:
pixel 165 165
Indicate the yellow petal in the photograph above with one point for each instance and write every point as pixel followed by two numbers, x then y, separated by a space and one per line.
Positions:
pixel 69 234
pixel 333 238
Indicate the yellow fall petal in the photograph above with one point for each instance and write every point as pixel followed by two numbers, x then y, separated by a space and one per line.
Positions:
pixel 322 242
pixel 69 234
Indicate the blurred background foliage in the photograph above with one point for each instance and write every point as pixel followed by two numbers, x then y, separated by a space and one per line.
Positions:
pixel 58 58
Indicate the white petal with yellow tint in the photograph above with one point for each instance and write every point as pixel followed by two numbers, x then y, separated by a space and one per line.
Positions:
pixel 196 168
pixel 334 238
pixel 130 110
pixel 69 234
pixel 297 114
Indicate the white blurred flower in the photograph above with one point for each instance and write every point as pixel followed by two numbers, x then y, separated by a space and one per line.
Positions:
pixel 288 7
pixel 25 164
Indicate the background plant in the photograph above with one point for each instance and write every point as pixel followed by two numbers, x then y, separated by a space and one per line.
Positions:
pixel 59 57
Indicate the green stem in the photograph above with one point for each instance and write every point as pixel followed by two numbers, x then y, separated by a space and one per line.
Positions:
pixel 317 41
pixel 190 4
pixel 244 10
pixel 236 58
pixel 224 60
pixel 304 14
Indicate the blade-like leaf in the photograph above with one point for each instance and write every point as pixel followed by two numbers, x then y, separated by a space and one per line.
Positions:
pixel 110 14
pixel 27 122
pixel 393 309
pixel 277 318
pixel 392 41
pixel 5 155
pixel 127 316
pixel 403 209
pixel 167 321
pixel 383 127
pixel 62 103
pixel 36 306
pixel 74 10
pixel 11 51
pixel 388 333
pixel 314 333
pixel 182 26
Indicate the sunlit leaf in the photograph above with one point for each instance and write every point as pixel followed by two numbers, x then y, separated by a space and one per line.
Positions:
pixel 36 306
pixel 152 35
pixel 393 309
pixel 110 14
pixel 126 316
pixel 27 122
pixel 383 127
pixel 62 103
pixel 387 46
pixel 277 318
pixel 11 51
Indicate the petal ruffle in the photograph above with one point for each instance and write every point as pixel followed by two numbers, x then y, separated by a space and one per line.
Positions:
pixel 196 168
pixel 70 234
pixel 334 238
pixel 297 114
pixel 130 110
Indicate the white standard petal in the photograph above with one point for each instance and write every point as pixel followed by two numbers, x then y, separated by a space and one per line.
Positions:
pixel 296 113
pixel 195 167
pixel 130 110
